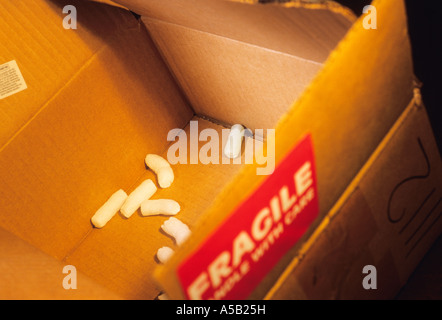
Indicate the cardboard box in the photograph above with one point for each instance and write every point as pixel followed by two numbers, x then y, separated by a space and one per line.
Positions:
pixel 388 217
pixel 91 102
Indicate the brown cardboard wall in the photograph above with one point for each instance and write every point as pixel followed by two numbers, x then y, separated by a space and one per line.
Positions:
pixel 242 63
pixel 27 273
pixel 292 29
pixel 86 141
pixel 48 55
pixel 388 217
pixel 232 81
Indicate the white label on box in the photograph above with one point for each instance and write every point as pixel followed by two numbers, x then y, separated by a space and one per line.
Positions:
pixel 11 79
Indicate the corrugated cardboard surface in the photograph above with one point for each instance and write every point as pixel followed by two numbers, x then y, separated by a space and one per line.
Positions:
pixel 248 71
pixel 98 99
pixel 348 109
pixel 121 256
pixel 28 273
pixel 93 127
pixel 309 34
pixel 233 81
pixel 424 283
pixel 47 54
pixel 85 129
pixel 388 217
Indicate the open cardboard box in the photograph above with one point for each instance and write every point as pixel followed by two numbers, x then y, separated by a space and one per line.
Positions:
pixel 100 97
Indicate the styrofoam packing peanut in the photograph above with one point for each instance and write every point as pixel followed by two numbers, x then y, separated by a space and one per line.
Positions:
pixel 165 177
pixel 162 169
pixel 232 149
pixel 143 192
pixel 164 254
pixel 109 209
pixel 160 206
pixel 177 229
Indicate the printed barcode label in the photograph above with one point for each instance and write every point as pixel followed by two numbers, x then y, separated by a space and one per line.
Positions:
pixel 11 79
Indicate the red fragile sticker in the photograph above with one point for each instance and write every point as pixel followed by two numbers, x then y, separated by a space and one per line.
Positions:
pixel 233 259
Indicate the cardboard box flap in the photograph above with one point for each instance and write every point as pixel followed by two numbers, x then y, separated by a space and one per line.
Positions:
pixel 90 138
pixel 333 112
pixel 29 274
pixel 234 61
pixel 309 32
pixel 48 55
pixel 232 81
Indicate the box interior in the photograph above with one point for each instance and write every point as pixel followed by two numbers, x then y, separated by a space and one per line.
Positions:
pixel 101 97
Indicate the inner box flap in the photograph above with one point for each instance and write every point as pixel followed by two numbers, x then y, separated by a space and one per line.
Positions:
pixel 48 56
pixel 242 63
pixel 307 33
pixel 93 127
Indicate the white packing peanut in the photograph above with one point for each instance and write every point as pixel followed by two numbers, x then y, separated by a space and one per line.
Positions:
pixel 162 169
pixel 176 229
pixel 232 149
pixel 160 206
pixel 164 254
pixel 109 209
pixel 165 177
pixel 143 192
